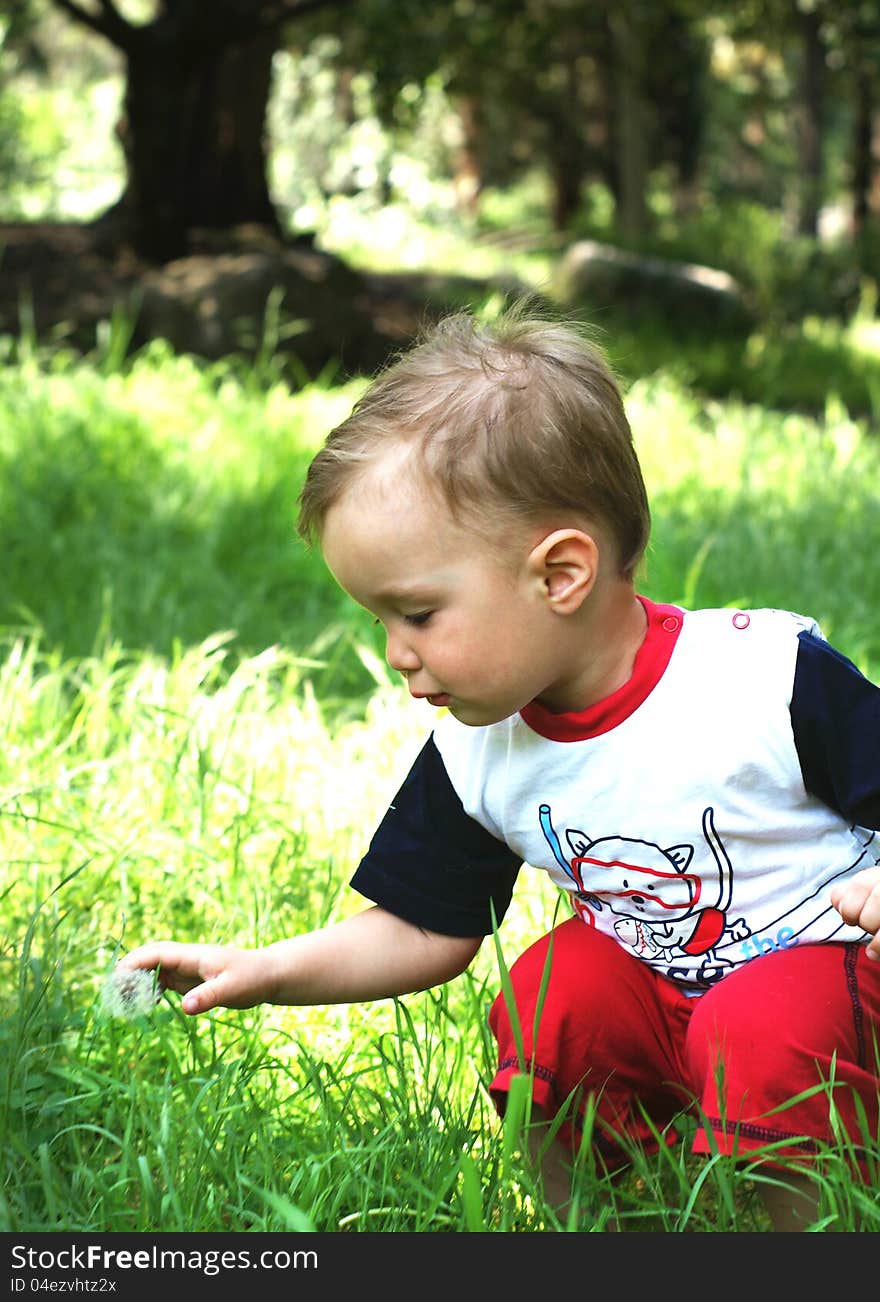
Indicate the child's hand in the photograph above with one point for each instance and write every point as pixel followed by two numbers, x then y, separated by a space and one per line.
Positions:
pixel 858 903
pixel 208 976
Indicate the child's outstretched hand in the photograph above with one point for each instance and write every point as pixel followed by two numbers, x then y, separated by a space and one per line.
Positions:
pixel 371 955
pixel 858 903
pixel 208 976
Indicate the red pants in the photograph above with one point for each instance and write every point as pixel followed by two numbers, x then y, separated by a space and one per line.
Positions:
pixel 611 1028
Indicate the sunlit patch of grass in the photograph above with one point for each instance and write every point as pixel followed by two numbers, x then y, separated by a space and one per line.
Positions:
pixel 109 484
pixel 157 798
pixel 393 237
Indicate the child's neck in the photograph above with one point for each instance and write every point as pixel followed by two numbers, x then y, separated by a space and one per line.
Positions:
pixel 606 634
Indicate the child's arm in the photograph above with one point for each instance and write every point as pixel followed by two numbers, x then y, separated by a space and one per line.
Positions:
pixel 858 903
pixel 372 955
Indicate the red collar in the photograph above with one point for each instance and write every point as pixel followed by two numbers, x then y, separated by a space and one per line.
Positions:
pixel 664 625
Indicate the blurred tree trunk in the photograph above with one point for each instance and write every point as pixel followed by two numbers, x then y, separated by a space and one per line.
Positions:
pixel 628 48
pixel 811 114
pixel 467 164
pixel 567 154
pixel 866 153
pixel 567 178
pixel 679 104
pixel 193 134
pixel 866 131
pixel 197 88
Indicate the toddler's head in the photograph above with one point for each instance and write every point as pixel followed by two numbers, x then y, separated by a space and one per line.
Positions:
pixel 518 421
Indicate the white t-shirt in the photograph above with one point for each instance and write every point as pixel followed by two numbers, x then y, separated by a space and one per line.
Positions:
pixel 699 815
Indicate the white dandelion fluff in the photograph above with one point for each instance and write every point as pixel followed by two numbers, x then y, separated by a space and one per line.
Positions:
pixel 129 994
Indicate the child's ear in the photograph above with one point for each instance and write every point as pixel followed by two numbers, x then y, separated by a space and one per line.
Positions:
pixel 566 563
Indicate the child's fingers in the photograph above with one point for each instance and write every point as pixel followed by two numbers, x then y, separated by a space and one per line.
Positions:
pixel 873 948
pixel 180 966
pixel 858 901
pixel 150 956
pixel 201 999
pixel 849 900
pixel 208 976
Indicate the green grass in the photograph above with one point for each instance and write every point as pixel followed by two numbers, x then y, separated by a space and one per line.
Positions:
pixel 763 508
pixel 110 484
pixel 196 740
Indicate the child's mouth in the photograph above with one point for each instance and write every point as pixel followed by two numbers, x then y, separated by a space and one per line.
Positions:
pixel 439 699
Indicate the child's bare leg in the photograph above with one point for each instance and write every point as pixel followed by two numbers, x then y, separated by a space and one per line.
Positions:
pixel 549 1157
pixel 552 1159
pixel 793 1204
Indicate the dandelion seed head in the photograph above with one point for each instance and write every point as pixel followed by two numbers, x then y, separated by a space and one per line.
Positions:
pixel 129 994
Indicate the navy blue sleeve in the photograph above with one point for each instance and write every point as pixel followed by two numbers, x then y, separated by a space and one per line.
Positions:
pixel 835 717
pixel 431 863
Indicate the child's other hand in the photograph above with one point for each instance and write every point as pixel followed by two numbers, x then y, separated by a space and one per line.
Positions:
pixel 208 976
pixel 857 900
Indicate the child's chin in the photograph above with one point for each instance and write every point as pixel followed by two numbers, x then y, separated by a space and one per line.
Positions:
pixel 476 716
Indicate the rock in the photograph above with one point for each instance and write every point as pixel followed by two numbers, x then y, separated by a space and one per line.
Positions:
pixel 56 283
pixel 684 296
pixel 240 291
pixel 243 291
pixel 293 300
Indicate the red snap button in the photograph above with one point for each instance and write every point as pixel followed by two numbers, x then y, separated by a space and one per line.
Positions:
pixel 670 623
pixel 741 619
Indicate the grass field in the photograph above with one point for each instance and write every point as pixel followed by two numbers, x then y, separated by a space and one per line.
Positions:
pixel 198 736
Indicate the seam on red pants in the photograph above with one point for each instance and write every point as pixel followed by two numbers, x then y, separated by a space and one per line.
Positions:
pixel 761 1134
pixel 850 959
pixel 757 1136
pixel 535 1069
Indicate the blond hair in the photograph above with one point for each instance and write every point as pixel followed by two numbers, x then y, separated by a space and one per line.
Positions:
pixel 523 416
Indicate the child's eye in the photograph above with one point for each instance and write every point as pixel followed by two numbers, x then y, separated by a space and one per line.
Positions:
pixel 420 619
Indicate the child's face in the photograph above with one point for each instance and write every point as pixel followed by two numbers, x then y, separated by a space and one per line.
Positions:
pixel 468 625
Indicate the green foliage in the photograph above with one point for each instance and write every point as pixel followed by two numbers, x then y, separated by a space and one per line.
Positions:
pixel 59 102
pixel 16 162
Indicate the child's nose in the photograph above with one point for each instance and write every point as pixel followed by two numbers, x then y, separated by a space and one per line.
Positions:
pixel 400 655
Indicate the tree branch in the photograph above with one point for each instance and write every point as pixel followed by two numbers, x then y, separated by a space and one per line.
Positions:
pixel 272 14
pixel 231 24
pixel 109 23
pixel 226 26
pixel 294 8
